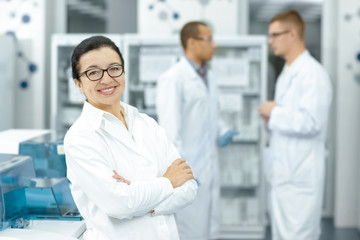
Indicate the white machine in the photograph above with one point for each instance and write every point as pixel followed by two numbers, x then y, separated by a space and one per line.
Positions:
pixel 35 198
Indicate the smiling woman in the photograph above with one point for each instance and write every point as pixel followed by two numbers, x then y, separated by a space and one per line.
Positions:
pixel 101 90
pixel 151 181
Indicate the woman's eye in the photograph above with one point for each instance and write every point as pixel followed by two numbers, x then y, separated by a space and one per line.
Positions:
pixel 116 68
pixel 93 72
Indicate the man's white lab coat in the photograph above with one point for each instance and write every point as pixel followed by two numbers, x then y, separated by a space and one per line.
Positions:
pixel 295 161
pixel 99 143
pixel 187 110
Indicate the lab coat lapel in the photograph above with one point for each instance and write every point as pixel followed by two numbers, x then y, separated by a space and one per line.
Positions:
pixel 138 134
pixel 193 75
pixel 287 79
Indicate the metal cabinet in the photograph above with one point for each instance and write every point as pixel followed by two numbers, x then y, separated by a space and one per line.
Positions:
pixel 146 58
pixel 240 67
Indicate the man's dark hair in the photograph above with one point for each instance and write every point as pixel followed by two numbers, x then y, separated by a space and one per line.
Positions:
pixel 190 30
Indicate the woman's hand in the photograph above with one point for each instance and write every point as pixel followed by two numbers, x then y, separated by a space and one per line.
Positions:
pixel 120 178
pixel 178 173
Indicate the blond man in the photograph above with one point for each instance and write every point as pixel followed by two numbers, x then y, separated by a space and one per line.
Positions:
pixel 297 123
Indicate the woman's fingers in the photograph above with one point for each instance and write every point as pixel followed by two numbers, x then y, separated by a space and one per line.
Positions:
pixel 120 178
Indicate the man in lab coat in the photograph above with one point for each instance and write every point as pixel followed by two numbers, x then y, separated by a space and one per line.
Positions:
pixel 187 109
pixel 297 122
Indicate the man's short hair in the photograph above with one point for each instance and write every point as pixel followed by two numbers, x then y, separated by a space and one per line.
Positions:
pixel 292 17
pixel 190 30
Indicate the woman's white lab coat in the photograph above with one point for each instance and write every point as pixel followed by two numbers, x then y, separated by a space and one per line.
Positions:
pixel 296 160
pixel 99 143
pixel 187 110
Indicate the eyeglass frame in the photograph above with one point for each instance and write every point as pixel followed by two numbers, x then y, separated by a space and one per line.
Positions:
pixel 275 35
pixel 103 70
pixel 208 39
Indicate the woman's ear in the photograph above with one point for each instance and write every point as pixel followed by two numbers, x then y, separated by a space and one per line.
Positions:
pixel 79 85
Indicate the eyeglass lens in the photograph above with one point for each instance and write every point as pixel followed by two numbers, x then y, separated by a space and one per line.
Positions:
pixel 96 73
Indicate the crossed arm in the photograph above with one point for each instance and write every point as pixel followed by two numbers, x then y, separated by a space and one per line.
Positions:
pixel 179 173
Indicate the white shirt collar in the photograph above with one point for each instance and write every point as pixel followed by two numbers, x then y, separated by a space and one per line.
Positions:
pixel 95 116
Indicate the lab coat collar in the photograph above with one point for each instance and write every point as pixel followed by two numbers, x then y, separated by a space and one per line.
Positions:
pixel 201 70
pixel 290 72
pixel 95 118
pixel 92 115
pixel 189 69
pixel 193 75
pixel 298 61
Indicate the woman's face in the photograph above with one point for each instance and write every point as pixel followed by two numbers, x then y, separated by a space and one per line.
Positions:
pixel 107 91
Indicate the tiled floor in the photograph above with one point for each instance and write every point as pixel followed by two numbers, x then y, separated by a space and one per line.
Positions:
pixel 329 232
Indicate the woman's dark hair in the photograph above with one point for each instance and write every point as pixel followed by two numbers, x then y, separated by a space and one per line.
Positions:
pixel 87 45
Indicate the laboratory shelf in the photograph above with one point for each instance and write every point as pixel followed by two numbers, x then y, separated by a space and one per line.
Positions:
pixel 150 112
pixel 242 232
pixel 244 92
pixel 137 88
pixel 73 104
pixel 243 63
pixel 245 140
pixel 239 186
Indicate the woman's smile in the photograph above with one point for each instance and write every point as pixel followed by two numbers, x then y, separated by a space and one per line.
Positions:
pixel 107 91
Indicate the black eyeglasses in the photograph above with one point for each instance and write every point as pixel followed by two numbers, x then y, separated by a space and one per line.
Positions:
pixel 274 35
pixel 95 74
pixel 206 39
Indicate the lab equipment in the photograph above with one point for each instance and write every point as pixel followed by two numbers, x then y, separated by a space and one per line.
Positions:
pixel 47 153
pixel 11 138
pixel 23 197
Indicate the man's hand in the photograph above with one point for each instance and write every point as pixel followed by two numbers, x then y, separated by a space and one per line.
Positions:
pixel 265 110
pixel 178 173
pixel 120 178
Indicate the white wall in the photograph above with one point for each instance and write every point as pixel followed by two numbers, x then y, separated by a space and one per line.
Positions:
pixel 341 45
pixel 7 68
pixel 157 17
pixel 29 21
pixel 29 101
pixel 348 115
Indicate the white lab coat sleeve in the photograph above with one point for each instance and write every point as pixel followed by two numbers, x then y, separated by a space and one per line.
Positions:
pixel 89 171
pixel 168 107
pixel 222 127
pixel 183 195
pixel 309 118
